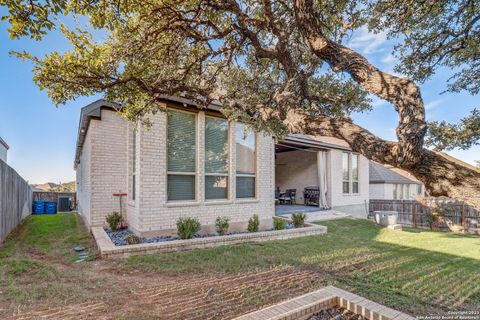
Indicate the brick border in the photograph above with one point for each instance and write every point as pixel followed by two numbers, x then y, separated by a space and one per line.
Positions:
pixel 302 307
pixel 109 250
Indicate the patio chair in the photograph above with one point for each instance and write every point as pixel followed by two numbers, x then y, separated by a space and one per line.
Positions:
pixel 288 196
pixel 311 195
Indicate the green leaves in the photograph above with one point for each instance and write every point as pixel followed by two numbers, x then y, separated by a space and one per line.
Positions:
pixel 445 136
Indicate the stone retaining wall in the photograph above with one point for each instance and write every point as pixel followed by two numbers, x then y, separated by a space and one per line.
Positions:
pixel 109 250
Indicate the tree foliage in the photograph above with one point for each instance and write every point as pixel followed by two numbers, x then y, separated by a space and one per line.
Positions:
pixel 280 66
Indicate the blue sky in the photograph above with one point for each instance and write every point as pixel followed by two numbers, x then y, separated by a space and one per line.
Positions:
pixel 42 137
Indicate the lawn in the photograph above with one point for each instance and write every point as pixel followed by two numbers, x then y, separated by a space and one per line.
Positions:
pixel 415 271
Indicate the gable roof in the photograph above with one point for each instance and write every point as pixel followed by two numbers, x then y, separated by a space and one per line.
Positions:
pixel 382 174
pixel 4 143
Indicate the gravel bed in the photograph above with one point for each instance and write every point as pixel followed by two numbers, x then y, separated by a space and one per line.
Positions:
pixel 118 237
pixel 336 314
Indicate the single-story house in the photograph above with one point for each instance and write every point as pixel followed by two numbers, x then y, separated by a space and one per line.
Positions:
pixel 193 162
pixel 3 150
pixel 389 183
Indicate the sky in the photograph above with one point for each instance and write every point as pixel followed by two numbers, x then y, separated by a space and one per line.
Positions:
pixel 42 137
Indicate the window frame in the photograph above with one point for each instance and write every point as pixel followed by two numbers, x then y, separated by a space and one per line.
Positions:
pixel 350 181
pixel 195 174
pixel 228 173
pixel 246 175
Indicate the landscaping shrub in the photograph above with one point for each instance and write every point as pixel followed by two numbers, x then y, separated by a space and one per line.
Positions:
pixel 253 223
pixel 132 239
pixel 113 220
pixel 279 224
pixel 187 227
pixel 298 219
pixel 221 225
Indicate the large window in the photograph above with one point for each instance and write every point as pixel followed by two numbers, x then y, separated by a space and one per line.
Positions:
pixel 350 174
pixel 245 145
pixel 182 149
pixel 216 158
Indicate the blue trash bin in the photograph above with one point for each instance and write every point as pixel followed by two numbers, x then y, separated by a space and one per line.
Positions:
pixel 50 207
pixel 38 207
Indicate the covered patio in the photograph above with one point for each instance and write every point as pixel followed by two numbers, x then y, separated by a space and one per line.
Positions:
pixel 300 165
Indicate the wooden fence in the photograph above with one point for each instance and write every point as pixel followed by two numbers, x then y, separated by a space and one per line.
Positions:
pixel 413 213
pixel 15 199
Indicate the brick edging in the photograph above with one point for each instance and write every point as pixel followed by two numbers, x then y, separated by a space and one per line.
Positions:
pixel 302 307
pixel 109 250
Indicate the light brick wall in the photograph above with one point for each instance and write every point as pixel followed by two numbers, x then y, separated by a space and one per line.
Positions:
pixel 83 180
pixel 103 167
pixel 155 213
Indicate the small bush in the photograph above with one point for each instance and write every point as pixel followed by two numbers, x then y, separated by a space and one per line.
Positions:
pixel 279 224
pixel 187 227
pixel 132 239
pixel 253 223
pixel 221 225
pixel 298 219
pixel 113 220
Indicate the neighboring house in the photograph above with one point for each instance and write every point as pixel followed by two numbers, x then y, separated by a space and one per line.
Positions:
pixel 192 162
pixel 391 183
pixel 3 150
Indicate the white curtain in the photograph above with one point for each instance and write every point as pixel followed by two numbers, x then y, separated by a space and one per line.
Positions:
pixel 322 178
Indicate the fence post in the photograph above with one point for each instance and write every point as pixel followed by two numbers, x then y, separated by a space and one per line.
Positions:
pixel 414 214
pixel 462 221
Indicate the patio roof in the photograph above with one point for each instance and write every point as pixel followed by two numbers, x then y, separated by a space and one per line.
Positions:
pixel 303 141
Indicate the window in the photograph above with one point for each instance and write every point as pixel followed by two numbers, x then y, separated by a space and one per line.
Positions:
pixel 181 155
pixel 350 172
pixel 134 160
pixel 406 191
pixel 245 146
pixel 354 173
pixel 419 189
pixel 216 158
pixel 346 172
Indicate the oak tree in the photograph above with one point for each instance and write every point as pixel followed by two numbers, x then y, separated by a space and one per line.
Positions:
pixel 280 65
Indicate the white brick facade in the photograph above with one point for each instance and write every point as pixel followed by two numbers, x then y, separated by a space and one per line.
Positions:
pixel 106 167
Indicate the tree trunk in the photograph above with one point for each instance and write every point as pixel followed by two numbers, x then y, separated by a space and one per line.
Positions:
pixel 441 175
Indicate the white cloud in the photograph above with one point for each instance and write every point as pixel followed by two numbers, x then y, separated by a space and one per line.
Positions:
pixel 368 42
pixel 389 59
pixel 433 104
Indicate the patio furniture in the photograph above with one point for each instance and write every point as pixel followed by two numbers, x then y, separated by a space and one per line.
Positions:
pixel 288 196
pixel 311 195
pixel 277 194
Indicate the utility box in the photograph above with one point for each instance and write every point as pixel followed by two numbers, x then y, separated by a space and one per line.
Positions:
pixel 386 218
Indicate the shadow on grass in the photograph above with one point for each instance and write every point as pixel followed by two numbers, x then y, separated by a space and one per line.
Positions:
pixel 356 255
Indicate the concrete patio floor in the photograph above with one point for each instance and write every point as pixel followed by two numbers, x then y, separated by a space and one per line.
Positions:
pixel 313 213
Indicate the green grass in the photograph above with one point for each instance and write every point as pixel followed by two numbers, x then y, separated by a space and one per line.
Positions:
pixel 35 259
pixel 414 270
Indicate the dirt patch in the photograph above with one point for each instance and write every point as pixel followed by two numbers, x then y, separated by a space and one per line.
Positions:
pixel 189 296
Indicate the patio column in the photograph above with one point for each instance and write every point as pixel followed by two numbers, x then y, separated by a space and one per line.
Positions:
pixel 322 179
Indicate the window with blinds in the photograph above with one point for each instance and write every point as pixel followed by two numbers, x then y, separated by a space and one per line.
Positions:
pixel 245 148
pixel 216 158
pixel 181 155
